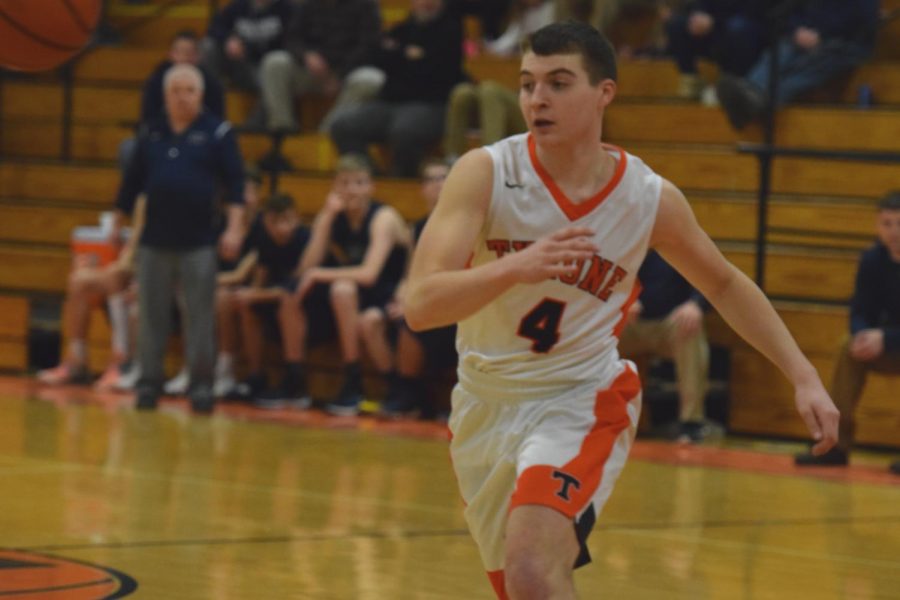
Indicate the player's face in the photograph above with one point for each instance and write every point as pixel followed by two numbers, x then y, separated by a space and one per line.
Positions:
pixel 557 99
pixel 184 51
pixel 356 188
pixel 280 226
pixel 425 10
pixel 888 227
pixel 183 98
pixel 432 183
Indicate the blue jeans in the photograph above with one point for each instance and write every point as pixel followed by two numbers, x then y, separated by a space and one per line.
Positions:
pixel 803 70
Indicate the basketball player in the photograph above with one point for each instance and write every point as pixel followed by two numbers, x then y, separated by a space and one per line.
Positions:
pixel 534 248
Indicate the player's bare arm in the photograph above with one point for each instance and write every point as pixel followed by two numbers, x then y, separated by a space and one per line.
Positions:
pixel 680 240
pixel 315 250
pixel 441 289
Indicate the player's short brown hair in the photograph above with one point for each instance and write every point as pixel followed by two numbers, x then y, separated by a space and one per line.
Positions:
pixel 352 163
pixel 572 37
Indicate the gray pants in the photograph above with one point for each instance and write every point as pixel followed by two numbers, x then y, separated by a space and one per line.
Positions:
pixel 160 273
pixel 409 128
pixel 282 79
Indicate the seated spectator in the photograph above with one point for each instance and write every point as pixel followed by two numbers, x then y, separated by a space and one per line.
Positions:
pixel 183 50
pixel 422 59
pixel 874 341
pixel 667 320
pixel 422 352
pixel 488 104
pixel 328 47
pixel 826 39
pixel 87 283
pixel 730 32
pixel 370 243
pixel 278 245
pixel 240 34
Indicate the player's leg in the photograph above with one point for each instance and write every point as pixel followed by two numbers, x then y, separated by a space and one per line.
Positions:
pixel 568 464
pixel 541 549
pixel 227 330
pixel 83 284
pixel 345 306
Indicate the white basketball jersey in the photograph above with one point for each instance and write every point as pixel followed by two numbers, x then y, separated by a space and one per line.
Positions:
pixel 536 340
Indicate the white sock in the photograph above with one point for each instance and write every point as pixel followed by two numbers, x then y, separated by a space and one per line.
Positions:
pixel 224 363
pixel 118 318
pixel 78 351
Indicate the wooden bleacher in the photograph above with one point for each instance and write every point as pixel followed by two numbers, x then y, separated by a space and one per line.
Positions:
pixel 820 217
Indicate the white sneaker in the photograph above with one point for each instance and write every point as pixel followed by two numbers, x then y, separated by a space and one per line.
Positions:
pixel 224 384
pixel 128 380
pixel 179 384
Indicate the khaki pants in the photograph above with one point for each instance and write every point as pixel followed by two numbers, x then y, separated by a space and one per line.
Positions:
pixel 282 79
pixel 847 385
pixel 488 105
pixel 691 357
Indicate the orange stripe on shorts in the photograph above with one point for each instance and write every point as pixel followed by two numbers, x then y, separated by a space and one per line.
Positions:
pixel 570 487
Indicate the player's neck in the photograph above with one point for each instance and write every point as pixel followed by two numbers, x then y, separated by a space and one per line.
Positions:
pixel 579 170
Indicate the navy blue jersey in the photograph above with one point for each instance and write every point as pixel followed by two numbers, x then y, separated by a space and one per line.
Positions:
pixel 184 176
pixel 349 247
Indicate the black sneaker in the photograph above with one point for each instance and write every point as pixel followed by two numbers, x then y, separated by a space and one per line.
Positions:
pixel 400 400
pixel 280 398
pixel 291 394
pixel 203 403
pixel 146 400
pixel 895 468
pixel 833 458
pixel 347 402
pixel 740 99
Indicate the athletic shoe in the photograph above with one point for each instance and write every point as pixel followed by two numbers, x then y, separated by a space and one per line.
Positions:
pixel 63 374
pixel 833 458
pixel 128 380
pixel 178 385
pixel 108 380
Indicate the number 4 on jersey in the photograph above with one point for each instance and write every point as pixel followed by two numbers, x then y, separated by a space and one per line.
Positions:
pixel 541 325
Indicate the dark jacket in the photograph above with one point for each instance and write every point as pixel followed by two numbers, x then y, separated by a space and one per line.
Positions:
pixel 153 105
pixel 344 32
pixel 876 297
pixel 260 30
pixel 184 176
pixel 851 20
pixel 430 78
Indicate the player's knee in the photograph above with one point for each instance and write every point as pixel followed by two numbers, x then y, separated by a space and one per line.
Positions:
pixel 343 290
pixel 528 575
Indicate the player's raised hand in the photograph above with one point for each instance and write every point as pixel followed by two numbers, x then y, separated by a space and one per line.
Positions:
pixel 820 415
pixel 556 254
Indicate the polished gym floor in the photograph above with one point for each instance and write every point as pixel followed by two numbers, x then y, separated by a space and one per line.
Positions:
pixel 100 501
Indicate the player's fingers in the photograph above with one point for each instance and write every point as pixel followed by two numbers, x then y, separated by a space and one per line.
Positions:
pixel 812 422
pixel 572 232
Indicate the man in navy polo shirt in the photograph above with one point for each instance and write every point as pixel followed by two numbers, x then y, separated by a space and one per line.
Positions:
pixel 184 163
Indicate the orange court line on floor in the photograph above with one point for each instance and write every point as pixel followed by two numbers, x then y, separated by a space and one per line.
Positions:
pixel 663 452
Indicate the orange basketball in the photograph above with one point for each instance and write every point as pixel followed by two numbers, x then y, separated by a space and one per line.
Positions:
pixel 36 35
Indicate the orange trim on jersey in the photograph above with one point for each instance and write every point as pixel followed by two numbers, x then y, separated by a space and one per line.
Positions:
pixel 498 582
pixel 569 488
pixel 632 298
pixel 572 210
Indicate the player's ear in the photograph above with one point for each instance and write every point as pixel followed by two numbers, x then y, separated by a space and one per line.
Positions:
pixel 608 90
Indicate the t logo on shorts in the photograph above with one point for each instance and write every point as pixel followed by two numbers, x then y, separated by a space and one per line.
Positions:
pixel 567 482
